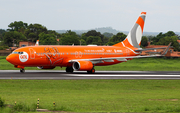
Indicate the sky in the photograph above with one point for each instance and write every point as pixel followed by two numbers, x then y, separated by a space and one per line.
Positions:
pixel 162 15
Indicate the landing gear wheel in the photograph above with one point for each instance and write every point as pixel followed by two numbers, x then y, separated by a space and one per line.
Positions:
pixel 69 70
pixel 92 71
pixel 22 70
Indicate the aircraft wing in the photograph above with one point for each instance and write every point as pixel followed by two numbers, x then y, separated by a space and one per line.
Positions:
pixel 111 59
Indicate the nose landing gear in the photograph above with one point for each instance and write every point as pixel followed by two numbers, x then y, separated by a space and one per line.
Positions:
pixel 22 70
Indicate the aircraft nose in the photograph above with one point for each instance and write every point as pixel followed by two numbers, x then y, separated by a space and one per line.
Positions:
pixel 9 58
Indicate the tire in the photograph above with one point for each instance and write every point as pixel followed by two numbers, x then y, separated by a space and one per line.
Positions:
pixel 91 72
pixel 22 70
pixel 69 70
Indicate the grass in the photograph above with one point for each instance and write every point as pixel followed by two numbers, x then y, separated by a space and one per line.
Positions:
pixel 144 64
pixel 94 95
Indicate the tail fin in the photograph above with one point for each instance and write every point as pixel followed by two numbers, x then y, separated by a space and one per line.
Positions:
pixel 37 43
pixel 134 37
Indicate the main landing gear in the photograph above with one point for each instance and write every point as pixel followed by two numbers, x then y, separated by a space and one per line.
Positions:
pixel 69 70
pixel 92 71
pixel 22 70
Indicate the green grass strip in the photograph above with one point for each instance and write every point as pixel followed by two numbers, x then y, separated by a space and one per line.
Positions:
pixel 94 95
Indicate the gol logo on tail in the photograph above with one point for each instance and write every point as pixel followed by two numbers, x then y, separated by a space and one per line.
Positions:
pixel 23 57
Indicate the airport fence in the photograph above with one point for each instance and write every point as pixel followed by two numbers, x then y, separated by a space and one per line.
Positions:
pixel 5 52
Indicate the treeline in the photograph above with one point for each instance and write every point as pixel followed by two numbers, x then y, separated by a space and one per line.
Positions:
pixel 20 31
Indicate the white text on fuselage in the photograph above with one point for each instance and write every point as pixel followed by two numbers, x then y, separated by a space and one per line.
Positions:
pixel 103 50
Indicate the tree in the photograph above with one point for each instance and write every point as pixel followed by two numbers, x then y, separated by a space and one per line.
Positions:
pixel 166 40
pixel 47 39
pixel 13 37
pixel 119 37
pixel 2 32
pixel 83 36
pixel 33 31
pixel 144 41
pixel 94 40
pixel 105 40
pixel 58 36
pixel 95 33
pixel 109 35
pixel 110 43
pixel 170 33
pixel 82 42
pixel 69 38
pixel 156 39
pixel 16 26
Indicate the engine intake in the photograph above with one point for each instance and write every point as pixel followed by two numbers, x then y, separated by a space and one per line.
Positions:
pixel 82 66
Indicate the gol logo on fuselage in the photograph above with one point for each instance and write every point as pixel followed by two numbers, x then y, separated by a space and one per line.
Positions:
pixel 23 57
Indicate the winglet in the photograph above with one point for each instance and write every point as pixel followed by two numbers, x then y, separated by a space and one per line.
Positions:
pixel 143 13
pixel 166 50
pixel 37 43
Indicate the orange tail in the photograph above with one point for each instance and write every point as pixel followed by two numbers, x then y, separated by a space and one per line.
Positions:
pixel 135 35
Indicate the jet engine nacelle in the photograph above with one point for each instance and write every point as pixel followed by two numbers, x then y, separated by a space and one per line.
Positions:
pixel 82 66
pixel 46 67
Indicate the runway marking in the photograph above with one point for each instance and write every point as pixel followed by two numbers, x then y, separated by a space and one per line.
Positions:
pixel 173 73
pixel 78 71
pixel 61 74
pixel 96 75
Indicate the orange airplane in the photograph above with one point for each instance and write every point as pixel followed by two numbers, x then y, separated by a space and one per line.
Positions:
pixel 81 58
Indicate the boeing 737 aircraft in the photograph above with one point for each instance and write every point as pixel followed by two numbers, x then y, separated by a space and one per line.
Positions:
pixel 81 58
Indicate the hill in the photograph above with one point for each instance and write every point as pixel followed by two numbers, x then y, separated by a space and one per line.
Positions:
pixel 110 30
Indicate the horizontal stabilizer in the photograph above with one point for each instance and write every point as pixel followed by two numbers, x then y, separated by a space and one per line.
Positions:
pixel 166 50
pixel 154 52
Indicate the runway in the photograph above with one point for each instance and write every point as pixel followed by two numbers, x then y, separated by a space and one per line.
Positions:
pixel 62 75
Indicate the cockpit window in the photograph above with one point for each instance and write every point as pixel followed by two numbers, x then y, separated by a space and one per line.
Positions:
pixel 17 52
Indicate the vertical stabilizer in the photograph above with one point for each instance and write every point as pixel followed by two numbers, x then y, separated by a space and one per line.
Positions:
pixel 37 43
pixel 135 35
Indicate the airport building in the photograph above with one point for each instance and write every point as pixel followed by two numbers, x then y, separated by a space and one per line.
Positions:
pixel 26 43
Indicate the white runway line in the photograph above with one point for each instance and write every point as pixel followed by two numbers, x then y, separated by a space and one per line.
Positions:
pixel 78 71
pixel 96 75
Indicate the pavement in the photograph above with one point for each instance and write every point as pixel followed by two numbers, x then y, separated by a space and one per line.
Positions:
pixel 62 75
